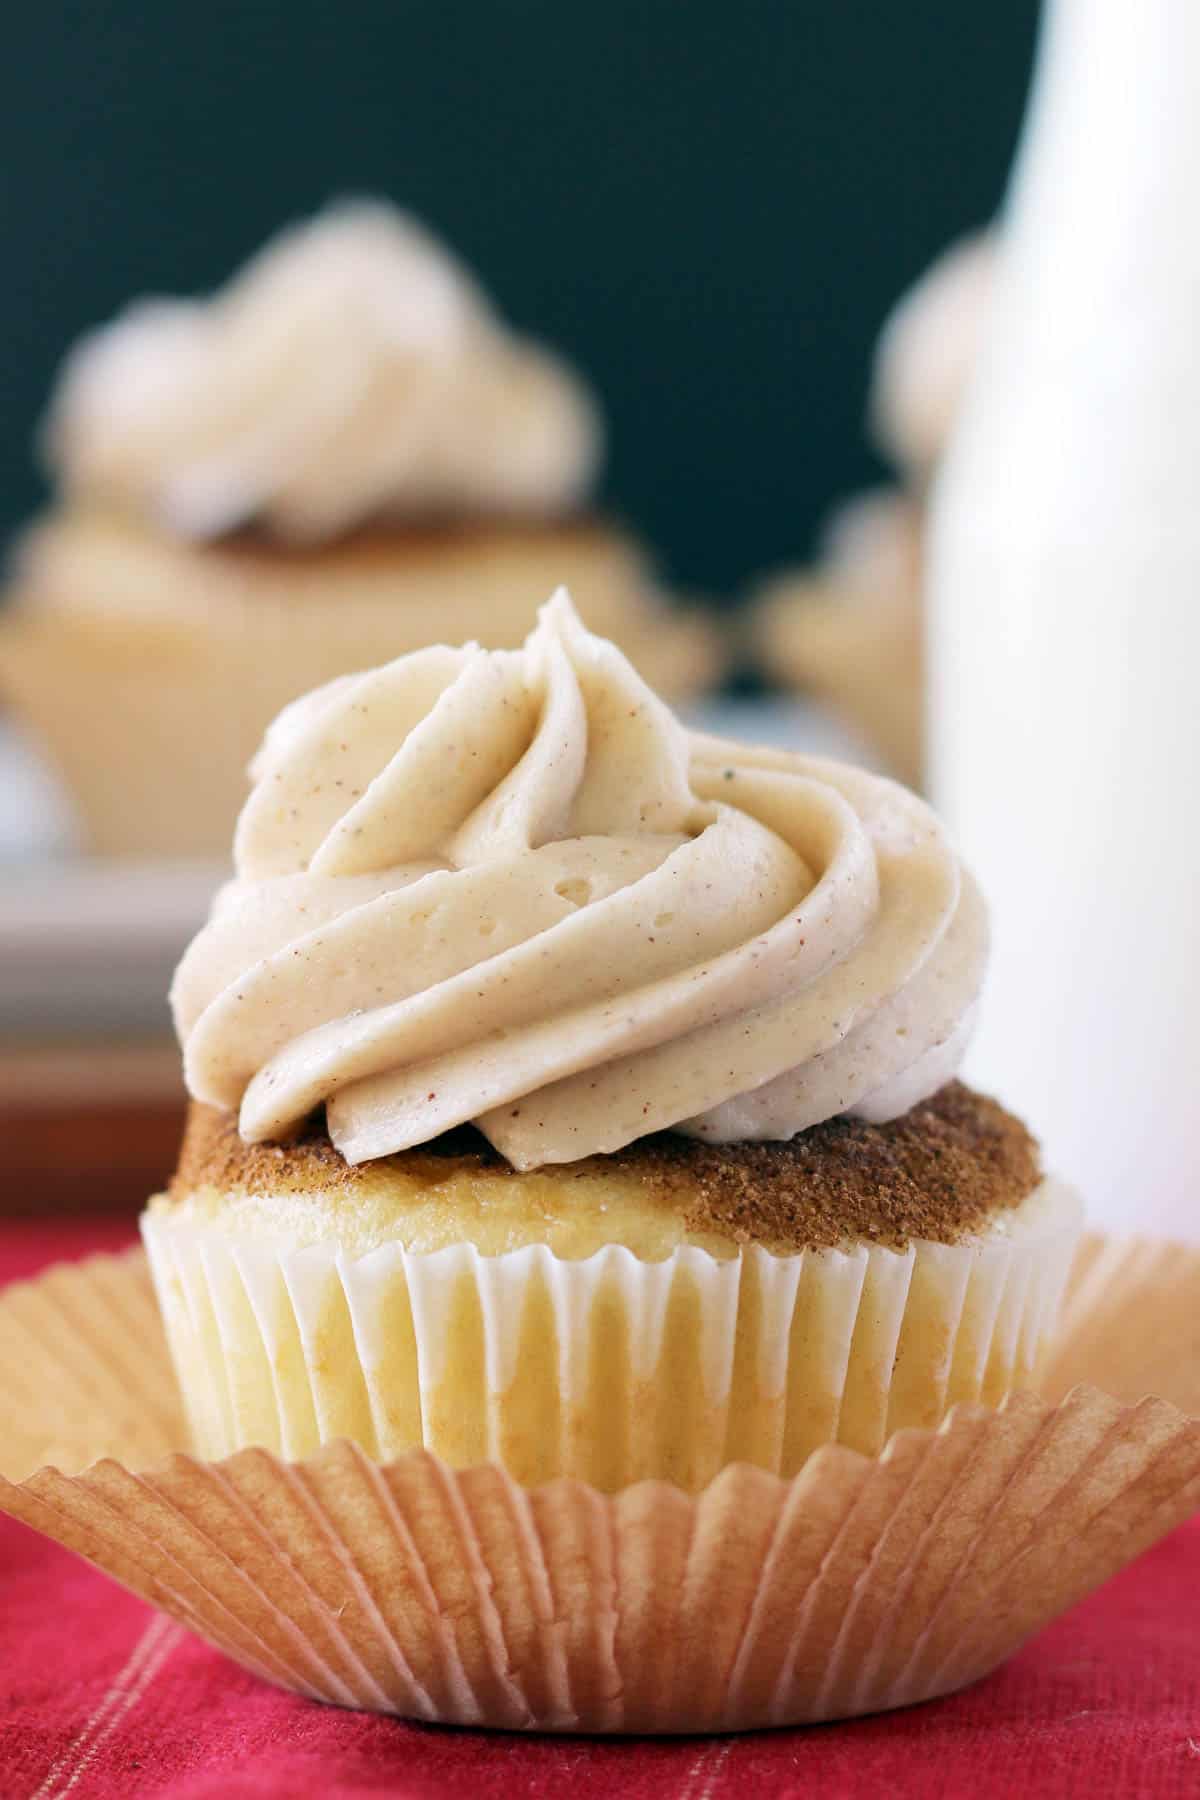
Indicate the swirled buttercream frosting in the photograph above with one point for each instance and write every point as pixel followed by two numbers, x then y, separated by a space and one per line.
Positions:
pixel 353 369
pixel 509 887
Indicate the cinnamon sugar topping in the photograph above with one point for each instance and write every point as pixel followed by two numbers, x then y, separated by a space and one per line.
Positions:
pixel 936 1173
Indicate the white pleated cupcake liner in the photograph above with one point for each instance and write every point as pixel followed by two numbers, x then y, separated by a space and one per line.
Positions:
pixel 609 1369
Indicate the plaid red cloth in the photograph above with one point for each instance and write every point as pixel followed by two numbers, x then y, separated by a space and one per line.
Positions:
pixel 101 1697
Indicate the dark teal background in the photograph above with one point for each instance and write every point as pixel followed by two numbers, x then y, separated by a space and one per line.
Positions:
pixel 709 205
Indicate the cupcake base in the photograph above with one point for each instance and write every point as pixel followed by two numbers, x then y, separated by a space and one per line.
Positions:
pixel 656 1313
pixel 608 1368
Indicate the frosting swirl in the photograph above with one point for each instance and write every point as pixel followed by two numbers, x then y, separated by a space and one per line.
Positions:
pixel 510 887
pixel 927 353
pixel 353 368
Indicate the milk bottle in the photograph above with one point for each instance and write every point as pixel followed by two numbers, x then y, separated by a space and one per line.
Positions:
pixel 1065 618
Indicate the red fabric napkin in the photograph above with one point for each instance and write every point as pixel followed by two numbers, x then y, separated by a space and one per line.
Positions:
pixel 101 1697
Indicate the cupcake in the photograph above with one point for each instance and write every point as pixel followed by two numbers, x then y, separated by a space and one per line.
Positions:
pixel 849 628
pixel 576 1093
pixel 341 456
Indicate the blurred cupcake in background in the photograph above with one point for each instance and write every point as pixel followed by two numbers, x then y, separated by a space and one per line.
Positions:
pixel 339 457
pixel 848 628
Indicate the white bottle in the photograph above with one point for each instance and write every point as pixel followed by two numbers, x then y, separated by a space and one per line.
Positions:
pixel 1065 618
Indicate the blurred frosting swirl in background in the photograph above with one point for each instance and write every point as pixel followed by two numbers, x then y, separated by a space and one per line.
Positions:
pixel 353 368
pixel 926 355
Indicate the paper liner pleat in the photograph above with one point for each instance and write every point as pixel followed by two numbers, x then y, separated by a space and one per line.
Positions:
pixel 1133 1311
pixel 73 1351
pixel 459 1595
pixel 608 1368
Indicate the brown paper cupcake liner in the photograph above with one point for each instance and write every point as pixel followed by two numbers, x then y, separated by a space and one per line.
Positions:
pixel 1132 1312
pixel 862 1583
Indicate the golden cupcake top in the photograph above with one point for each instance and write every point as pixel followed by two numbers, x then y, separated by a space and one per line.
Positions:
pixel 353 369
pixel 955 1166
pixel 509 888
